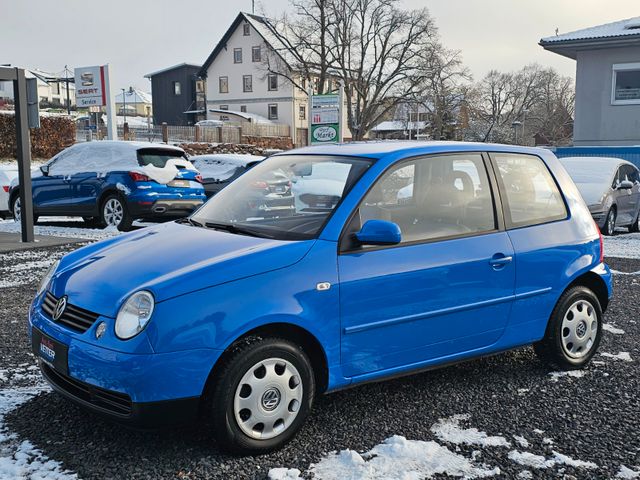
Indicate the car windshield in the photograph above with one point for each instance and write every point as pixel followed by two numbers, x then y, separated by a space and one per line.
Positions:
pixel 158 157
pixel 288 197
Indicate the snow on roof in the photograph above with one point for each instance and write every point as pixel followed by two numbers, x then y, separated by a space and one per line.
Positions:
pixel 136 96
pixel 395 125
pixel 252 117
pixel 179 65
pixel 621 28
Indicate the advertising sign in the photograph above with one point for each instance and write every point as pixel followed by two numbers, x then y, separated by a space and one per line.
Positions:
pixel 90 87
pixel 324 119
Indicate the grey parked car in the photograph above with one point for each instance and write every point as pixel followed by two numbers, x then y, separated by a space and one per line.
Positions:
pixel 611 189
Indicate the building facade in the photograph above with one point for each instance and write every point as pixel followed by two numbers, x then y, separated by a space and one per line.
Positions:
pixel 177 95
pixel 607 110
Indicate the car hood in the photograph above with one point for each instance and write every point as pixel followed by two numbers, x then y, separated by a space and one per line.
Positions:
pixel 169 260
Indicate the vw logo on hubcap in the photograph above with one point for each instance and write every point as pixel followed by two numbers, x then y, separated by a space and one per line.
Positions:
pixel 60 306
pixel 271 399
pixel 581 329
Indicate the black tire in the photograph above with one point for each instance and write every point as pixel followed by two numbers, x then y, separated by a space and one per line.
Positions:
pixel 126 220
pixel 609 227
pixel 13 201
pixel 551 348
pixel 635 226
pixel 93 222
pixel 221 391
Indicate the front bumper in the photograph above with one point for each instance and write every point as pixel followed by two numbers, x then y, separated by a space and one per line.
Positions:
pixel 141 389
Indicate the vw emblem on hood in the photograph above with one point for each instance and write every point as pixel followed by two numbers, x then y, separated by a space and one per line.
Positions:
pixel 60 306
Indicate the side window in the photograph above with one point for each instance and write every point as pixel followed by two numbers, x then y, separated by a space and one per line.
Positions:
pixel 68 162
pixel 433 198
pixel 532 196
pixel 629 173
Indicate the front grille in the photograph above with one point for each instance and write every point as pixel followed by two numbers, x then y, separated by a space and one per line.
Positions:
pixel 114 402
pixel 75 318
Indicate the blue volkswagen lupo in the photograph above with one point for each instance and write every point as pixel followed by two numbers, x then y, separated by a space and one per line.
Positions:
pixel 397 257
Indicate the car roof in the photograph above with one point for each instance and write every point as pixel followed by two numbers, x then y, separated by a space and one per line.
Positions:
pixel 405 148
pixel 128 146
pixel 597 161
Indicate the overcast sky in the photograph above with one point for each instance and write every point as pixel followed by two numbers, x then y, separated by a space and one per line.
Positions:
pixel 140 36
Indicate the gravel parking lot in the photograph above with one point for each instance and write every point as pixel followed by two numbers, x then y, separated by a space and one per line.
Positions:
pixel 501 417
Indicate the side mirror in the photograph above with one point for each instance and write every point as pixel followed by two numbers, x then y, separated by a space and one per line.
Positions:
pixel 625 185
pixel 45 170
pixel 379 232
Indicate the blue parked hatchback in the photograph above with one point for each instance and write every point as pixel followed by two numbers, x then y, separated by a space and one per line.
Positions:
pixel 398 257
pixel 113 183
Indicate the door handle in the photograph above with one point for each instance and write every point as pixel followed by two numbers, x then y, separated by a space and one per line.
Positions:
pixel 499 261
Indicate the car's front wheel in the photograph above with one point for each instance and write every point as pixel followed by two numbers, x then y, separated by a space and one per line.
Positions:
pixel 261 395
pixel 610 222
pixel 574 330
pixel 114 213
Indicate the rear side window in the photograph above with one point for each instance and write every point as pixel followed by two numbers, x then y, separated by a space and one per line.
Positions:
pixel 157 157
pixel 532 196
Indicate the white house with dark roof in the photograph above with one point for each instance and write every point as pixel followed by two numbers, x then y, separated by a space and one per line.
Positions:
pixel 607 81
pixel 237 80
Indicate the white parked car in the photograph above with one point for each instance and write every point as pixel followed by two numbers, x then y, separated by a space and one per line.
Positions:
pixel 7 175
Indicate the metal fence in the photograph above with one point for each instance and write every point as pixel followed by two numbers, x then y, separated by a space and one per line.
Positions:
pixel 229 133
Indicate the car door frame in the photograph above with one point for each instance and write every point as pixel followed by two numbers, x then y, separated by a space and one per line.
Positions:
pixel 345 247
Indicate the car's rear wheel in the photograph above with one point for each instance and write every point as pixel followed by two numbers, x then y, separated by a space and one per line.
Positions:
pixel 610 222
pixel 114 213
pixel 574 330
pixel 635 226
pixel 260 396
pixel 16 210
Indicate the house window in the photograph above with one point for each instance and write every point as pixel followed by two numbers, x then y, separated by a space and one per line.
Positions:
pixel 224 107
pixel 247 83
pixel 626 84
pixel 256 54
pixel 273 111
pixel 246 29
pixel 272 80
pixel 237 55
pixel 200 86
pixel 302 112
pixel 55 89
pixel 224 84
pixel 243 108
pixel 177 88
pixel 303 83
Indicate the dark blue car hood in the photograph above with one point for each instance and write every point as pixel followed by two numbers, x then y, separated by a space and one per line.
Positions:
pixel 169 260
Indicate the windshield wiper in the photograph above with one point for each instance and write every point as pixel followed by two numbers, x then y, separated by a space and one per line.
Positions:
pixel 190 221
pixel 231 228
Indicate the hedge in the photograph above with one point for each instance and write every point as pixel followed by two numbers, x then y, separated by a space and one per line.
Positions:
pixel 54 135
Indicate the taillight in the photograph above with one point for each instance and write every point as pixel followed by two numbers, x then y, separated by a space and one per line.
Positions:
pixel 260 184
pixel 199 178
pixel 139 177
pixel 6 188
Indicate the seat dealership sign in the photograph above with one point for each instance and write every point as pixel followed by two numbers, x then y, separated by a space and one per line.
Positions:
pixel 90 86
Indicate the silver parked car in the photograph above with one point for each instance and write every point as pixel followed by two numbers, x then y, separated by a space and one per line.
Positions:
pixel 611 189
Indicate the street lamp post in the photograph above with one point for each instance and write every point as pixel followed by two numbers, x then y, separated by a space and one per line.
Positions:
pixel 515 126
pixel 124 105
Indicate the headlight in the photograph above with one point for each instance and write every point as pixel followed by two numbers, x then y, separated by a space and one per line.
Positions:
pixel 134 314
pixel 47 277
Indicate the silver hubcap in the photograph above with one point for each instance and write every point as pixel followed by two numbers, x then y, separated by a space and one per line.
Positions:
pixel 579 329
pixel 113 212
pixel 17 210
pixel 268 398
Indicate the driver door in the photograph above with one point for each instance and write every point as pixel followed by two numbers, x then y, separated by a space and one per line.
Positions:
pixel 52 190
pixel 446 289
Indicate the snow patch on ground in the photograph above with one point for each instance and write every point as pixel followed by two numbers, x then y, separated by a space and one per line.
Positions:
pixel 399 458
pixel 24 267
pixel 532 460
pixel 612 329
pixel 20 459
pixel 627 473
pixel 523 442
pixel 284 474
pixel 624 356
pixel 10 226
pixel 570 373
pixel 449 430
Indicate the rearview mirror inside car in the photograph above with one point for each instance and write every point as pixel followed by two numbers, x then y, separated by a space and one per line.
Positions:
pixel 379 232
